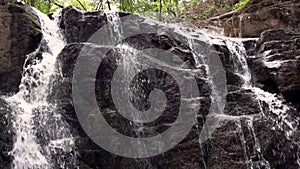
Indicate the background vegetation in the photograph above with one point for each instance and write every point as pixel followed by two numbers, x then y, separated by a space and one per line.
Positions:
pixel 164 10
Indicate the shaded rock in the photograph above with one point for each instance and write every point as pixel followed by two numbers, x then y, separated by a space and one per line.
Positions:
pixel 241 102
pixel 79 25
pixel 6 142
pixel 233 80
pixel 276 148
pixel 258 16
pixel 250 46
pixel 249 142
pixel 232 145
pixel 243 136
pixel 20 34
pixel 184 155
pixel 277 65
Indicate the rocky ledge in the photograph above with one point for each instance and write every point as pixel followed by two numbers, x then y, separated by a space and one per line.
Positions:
pixel 276 67
pixel 20 34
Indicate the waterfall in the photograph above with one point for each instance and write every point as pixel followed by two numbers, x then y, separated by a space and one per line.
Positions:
pixel 274 103
pixel 43 139
pixel 40 132
pixel 272 106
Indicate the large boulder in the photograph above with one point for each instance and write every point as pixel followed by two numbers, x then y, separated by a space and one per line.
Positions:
pixel 276 67
pixel 78 26
pixel 184 155
pixel 20 34
pixel 258 16
pixel 249 134
pixel 93 156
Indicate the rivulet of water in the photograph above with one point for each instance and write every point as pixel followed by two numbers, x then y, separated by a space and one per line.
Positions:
pixel 40 132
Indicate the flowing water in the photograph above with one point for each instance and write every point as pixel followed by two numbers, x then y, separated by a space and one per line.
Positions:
pixel 274 103
pixel 43 139
pixel 33 116
pixel 273 107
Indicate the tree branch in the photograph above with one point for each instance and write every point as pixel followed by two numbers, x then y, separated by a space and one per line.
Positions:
pixel 223 16
pixel 160 8
pixel 108 4
pixel 81 4
pixel 55 3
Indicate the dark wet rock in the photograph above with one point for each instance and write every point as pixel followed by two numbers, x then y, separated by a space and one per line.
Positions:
pixel 232 78
pixel 5 135
pixel 248 133
pixel 228 147
pixel 91 155
pixel 250 46
pixel 249 142
pixel 241 102
pixel 20 34
pixel 79 25
pixel 279 150
pixel 277 65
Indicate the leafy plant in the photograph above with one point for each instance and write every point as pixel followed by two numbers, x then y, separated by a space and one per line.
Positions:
pixel 164 10
pixel 241 4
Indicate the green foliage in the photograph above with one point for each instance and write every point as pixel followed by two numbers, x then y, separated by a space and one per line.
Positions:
pixel 164 10
pixel 151 8
pixel 50 6
pixel 241 4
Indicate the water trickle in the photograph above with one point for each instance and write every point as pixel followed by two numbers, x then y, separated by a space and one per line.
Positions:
pixel 275 104
pixel 241 136
pixel 257 146
pixel 114 21
pixel 238 56
pixel 273 107
pixel 39 131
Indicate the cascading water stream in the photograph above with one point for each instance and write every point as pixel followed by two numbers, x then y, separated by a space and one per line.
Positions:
pixel 39 131
pixel 274 103
pixel 273 107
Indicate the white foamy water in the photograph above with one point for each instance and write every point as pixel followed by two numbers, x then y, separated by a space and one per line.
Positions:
pixel 276 105
pixel 30 105
pixel 32 112
pixel 273 107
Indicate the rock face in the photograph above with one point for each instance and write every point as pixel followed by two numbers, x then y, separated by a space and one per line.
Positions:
pixel 20 34
pixel 78 26
pixel 259 128
pixel 258 16
pixel 5 136
pixel 277 64
pixel 253 133
pixel 93 156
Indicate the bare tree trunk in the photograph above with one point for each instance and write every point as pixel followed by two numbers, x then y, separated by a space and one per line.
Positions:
pixel 108 4
pixel 160 8
pixel 81 4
